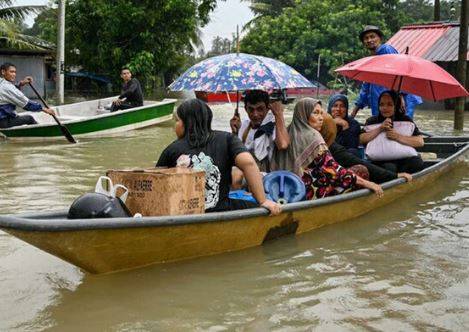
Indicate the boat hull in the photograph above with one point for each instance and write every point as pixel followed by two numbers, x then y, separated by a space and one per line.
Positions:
pixel 99 125
pixel 110 245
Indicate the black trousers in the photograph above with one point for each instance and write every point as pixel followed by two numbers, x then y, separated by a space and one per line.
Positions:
pixel 18 121
pixel 231 204
pixel 408 165
pixel 122 106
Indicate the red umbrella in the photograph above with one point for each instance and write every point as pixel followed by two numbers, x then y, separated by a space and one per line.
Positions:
pixel 408 73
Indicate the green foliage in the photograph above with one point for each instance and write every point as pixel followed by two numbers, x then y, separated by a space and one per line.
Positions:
pixel 153 37
pixel 299 34
pixel 330 28
pixel 11 20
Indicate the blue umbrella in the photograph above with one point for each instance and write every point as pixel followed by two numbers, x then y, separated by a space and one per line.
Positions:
pixel 235 72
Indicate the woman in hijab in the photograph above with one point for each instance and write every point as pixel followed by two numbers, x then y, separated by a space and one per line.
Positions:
pixel 348 129
pixel 391 137
pixel 308 155
pixel 215 152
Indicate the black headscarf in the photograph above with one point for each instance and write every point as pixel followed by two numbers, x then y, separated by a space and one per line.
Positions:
pixel 398 114
pixel 197 119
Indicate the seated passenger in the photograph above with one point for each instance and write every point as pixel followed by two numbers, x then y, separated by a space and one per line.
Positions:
pixel 308 155
pixel 264 130
pixel 348 129
pixel 131 94
pixel 391 137
pixel 377 174
pixel 215 152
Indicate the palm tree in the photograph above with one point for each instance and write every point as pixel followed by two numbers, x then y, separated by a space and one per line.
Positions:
pixel 262 8
pixel 10 34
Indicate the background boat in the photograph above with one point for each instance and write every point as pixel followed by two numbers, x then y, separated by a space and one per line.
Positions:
pixel 90 119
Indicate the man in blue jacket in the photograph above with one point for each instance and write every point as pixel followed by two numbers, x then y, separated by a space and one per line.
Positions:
pixel 12 97
pixel 372 38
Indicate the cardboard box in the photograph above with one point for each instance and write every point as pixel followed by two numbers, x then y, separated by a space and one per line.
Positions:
pixel 162 191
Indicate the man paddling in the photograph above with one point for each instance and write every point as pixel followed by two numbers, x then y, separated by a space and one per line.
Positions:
pixel 12 97
pixel 372 38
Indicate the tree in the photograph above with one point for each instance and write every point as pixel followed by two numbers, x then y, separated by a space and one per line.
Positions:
pixel 220 46
pixel 298 35
pixel 155 38
pixel 11 18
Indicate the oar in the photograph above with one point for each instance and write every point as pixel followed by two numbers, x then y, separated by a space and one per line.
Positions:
pixel 63 129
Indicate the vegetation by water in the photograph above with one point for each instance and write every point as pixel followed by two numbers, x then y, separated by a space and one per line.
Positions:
pixel 158 40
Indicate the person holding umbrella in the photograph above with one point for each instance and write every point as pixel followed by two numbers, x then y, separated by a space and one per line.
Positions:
pixel 264 130
pixel 372 38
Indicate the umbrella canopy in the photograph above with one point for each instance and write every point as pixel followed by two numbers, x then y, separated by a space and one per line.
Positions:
pixel 408 73
pixel 234 72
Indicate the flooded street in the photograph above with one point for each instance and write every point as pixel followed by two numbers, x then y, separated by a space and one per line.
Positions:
pixel 404 267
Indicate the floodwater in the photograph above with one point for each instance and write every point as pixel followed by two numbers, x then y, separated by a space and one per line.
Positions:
pixel 404 267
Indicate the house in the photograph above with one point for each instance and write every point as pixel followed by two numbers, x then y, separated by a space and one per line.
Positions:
pixel 35 63
pixel 436 41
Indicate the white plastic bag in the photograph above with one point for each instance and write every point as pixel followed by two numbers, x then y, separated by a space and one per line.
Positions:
pixel 382 148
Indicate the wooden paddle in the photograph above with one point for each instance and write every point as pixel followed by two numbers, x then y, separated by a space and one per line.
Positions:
pixel 63 129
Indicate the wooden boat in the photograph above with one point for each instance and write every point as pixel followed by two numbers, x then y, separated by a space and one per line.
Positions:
pixel 90 119
pixel 109 245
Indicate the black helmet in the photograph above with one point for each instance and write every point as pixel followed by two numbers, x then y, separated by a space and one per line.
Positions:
pixel 95 205
pixel 371 28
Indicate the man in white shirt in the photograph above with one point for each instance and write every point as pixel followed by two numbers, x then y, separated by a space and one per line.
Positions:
pixel 12 97
pixel 265 129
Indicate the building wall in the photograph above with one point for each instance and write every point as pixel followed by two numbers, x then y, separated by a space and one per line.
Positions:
pixel 28 65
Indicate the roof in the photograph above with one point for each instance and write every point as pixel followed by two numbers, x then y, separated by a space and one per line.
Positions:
pixel 9 51
pixel 89 75
pixel 436 41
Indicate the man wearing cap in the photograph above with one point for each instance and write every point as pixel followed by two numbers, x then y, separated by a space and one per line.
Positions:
pixel 372 38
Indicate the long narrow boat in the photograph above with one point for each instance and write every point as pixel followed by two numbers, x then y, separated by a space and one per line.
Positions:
pixel 109 245
pixel 90 119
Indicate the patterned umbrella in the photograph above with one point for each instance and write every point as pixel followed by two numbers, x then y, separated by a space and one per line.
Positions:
pixel 235 72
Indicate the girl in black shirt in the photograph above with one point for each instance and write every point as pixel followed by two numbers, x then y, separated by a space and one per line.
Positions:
pixel 215 152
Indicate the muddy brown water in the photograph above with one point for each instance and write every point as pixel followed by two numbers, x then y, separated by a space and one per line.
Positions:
pixel 403 267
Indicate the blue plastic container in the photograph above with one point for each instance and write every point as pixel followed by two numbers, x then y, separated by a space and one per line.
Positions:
pixel 284 187
pixel 242 194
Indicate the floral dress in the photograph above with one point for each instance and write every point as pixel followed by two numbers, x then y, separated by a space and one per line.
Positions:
pixel 325 177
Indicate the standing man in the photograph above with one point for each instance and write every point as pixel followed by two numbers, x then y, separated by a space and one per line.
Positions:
pixel 264 130
pixel 11 97
pixel 372 38
pixel 131 94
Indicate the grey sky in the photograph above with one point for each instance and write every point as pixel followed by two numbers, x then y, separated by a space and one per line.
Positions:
pixel 223 20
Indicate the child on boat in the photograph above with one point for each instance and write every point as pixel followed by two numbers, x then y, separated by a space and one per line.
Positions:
pixel 216 152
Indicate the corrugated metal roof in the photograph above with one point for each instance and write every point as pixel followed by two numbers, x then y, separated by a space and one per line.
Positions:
pixel 433 41
pixel 446 48
pixel 419 38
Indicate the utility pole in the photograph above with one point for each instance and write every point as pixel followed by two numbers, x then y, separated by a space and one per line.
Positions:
pixel 436 11
pixel 59 84
pixel 461 69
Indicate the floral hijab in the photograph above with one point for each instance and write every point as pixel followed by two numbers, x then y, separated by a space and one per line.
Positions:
pixel 306 143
